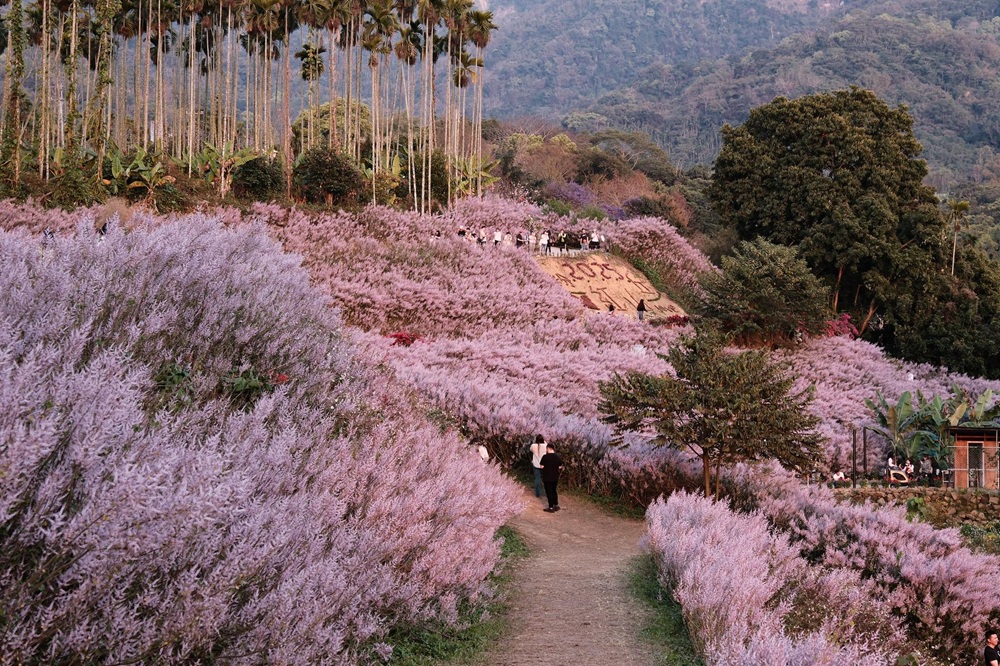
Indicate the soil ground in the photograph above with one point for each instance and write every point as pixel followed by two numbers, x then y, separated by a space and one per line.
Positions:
pixel 570 604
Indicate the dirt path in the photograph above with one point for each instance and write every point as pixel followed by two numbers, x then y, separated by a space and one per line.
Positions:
pixel 571 605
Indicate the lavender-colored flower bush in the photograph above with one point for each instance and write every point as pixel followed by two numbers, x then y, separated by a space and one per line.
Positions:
pixel 195 465
pixel 190 348
pixel 943 594
pixel 658 245
pixel 748 598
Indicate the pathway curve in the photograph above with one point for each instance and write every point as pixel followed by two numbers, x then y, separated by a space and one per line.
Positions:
pixel 570 605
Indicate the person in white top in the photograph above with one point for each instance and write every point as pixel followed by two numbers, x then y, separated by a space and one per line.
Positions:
pixel 497 237
pixel 543 243
pixel 537 451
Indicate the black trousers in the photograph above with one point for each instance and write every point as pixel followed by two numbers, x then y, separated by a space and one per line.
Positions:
pixel 552 493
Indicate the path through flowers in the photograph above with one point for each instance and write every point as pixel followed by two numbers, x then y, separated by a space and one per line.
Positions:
pixel 571 605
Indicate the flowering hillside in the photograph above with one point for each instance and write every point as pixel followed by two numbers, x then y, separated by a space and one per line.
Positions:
pixel 196 464
pixel 208 348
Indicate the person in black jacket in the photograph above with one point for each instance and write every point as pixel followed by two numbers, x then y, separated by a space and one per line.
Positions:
pixel 551 464
pixel 991 657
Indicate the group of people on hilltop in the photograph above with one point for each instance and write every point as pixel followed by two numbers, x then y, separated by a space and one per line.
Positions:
pixel 538 241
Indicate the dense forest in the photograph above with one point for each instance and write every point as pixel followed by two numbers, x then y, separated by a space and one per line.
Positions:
pixel 679 71
pixel 945 74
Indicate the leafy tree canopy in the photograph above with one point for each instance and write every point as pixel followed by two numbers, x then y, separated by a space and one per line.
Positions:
pixel 766 293
pixel 724 406
pixel 837 176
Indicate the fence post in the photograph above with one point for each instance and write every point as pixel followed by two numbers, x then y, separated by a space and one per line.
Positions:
pixel 854 458
pixel 864 451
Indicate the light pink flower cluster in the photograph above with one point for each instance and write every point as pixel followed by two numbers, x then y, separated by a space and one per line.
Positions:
pixel 944 595
pixel 748 598
pixel 658 244
pixel 148 515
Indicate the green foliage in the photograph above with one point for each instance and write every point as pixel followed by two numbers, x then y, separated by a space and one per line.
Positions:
pixel 478 626
pixel 648 207
pixel 766 293
pixel 985 538
pixel 216 165
pixel 321 117
pixel 836 176
pixel 439 179
pixel 245 387
pixel 72 189
pixel 173 387
pixel 326 176
pixel 599 164
pixel 592 213
pixel 140 177
pixel 917 509
pixel 258 179
pixel 666 630
pixel 726 407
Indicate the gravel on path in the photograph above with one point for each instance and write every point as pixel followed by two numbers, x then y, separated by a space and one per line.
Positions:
pixel 570 604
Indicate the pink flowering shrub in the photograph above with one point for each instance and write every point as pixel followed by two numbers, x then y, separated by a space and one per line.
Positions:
pixel 146 517
pixel 845 372
pixel 943 594
pixel 657 245
pixel 389 271
pixel 748 598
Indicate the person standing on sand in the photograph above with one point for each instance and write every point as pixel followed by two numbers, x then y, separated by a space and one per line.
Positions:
pixel 551 464
pixel 640 309
pixel 537 453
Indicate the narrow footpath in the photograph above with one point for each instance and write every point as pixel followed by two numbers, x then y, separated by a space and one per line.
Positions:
pixel 570 605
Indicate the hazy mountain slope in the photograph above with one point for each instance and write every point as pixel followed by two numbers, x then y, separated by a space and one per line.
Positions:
pixel 550 56
pixel 947 73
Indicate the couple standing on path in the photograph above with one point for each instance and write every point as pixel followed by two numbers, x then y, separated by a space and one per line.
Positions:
pixel 546 464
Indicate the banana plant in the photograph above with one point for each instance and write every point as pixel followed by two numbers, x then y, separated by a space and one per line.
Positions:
pixel 936 417
pixel 897 423
pixel 148 176
pixel 472 173
pixel 217 166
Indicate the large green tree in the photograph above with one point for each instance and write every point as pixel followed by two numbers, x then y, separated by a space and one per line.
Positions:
pixel 836 175
pixel 724 406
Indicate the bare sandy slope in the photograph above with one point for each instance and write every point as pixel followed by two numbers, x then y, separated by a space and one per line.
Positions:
pixel 571 605
pixel 601 280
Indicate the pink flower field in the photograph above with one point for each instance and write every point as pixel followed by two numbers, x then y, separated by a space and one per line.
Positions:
pixel 239 433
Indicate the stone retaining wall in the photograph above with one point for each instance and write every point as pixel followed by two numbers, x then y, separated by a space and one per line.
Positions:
pixel 946 506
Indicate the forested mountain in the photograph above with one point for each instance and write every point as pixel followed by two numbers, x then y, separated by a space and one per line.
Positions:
pixel 946 73
pixel 551 56
pixel 687 68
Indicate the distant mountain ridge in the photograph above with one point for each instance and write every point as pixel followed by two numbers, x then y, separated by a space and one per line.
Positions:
pixel 549 56
pixel 940 58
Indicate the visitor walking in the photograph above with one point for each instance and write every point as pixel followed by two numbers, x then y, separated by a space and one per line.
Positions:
pixel 640 309
pixel 537 453
pixel 551 464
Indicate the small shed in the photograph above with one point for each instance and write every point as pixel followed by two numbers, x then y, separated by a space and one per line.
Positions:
pixel 975 463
